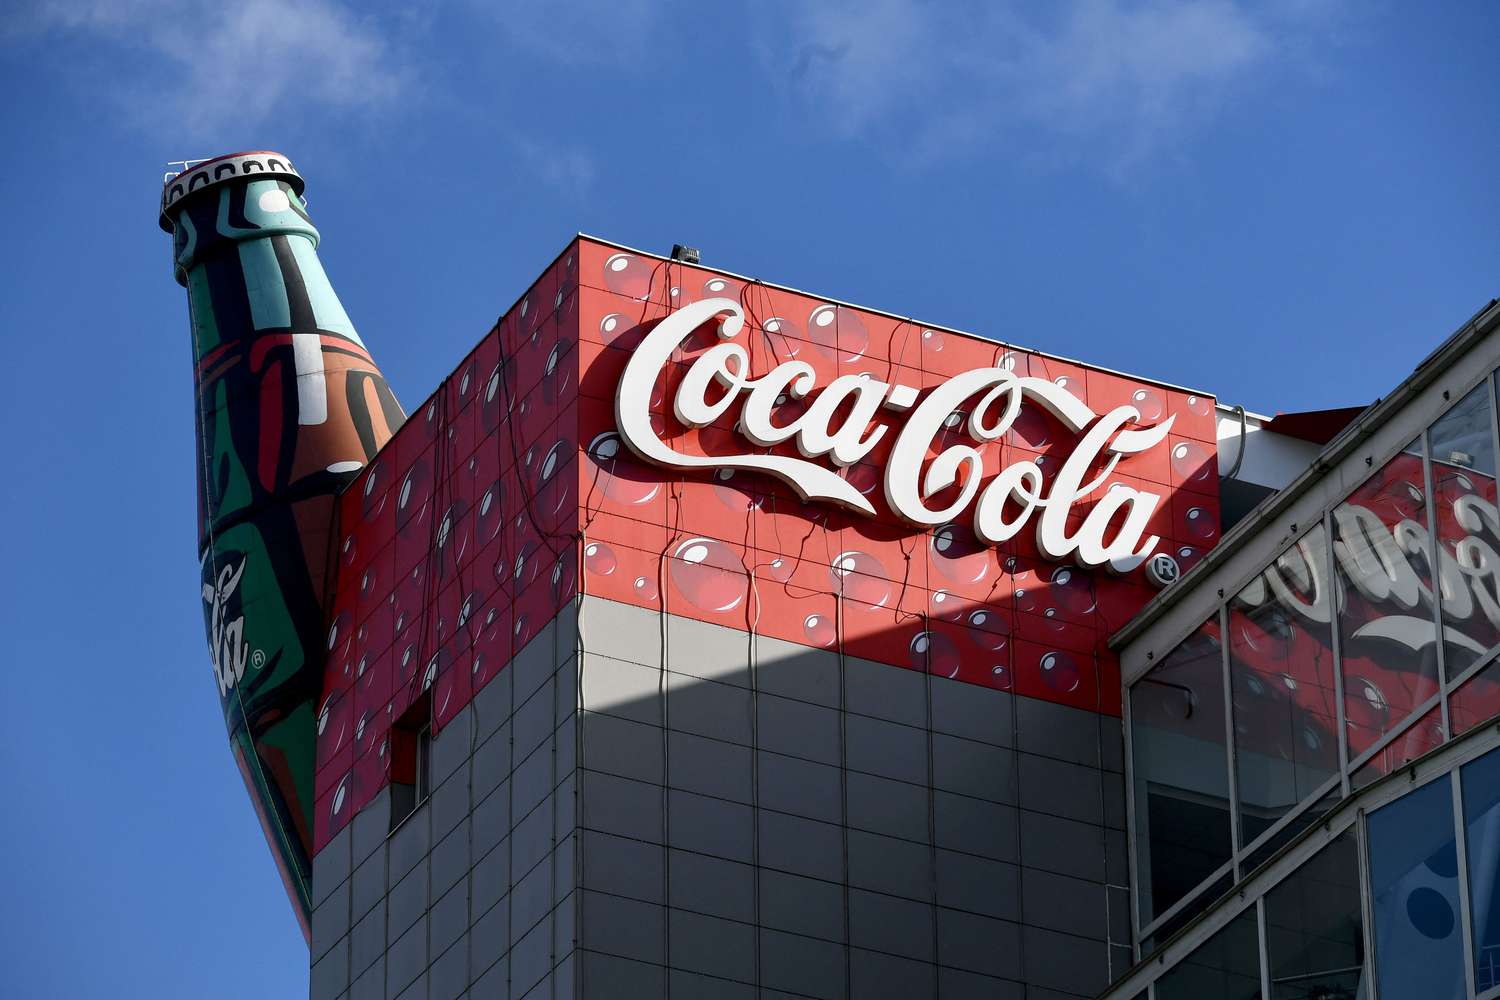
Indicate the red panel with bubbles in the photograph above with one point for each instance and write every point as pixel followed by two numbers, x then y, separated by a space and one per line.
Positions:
pixel 511 490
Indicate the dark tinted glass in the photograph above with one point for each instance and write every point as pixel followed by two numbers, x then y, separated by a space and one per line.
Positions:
pixel 1414 882
pixel 1282 672
pixel 1181 771
pixel 1314 935
pixel 1225 967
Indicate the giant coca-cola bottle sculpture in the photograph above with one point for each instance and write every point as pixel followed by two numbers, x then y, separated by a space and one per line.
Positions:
pixel 289 406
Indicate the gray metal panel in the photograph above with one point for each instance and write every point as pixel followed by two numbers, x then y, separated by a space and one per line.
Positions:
pixel 491 763
pixel 370 984
pixel 491 820
pixel 711 946
pixel 955 984
pixel 330 974
pixel 530 901
pixel 489 939
pixel 448 976
pixel 805 965
pixel 801 846
pixel 448 919
pixel 973 768
pixel 1058 731
pixel 895 926
pixel 609 977
pixel 330 921
pixel 979 885
pixel 979 944
pixel 410 845
pixel 973 712
pixel 976 826
pixel 798 728
pixel 450 860
pixel 884 864
pixel 621 806
pixel 1065 962
pixel 536 662
pixel 803 673
pixel 332 865
pixel 407 902
pixel 1064 904
pixel 371 825
pixel 492 704
pixel 884 691
pixel 806 906
pixel 534 720
pixel 489 880
pixel 709 826
pixel 532 780
pixel 692 986
pixel 706 766
pixel 709 651
pixel 706 708
pixel 710 885
pixel 881 805
pixel 367 940
pixel 623 867
pixel 621 747
pixel 531 838
pixel 406 959
pixel 623 688
pixel 886 748
pixel 621 630
pixel 531 959
pixel 628 928
pixel 1060 789
pixel 1063 846
pixel 799 787
pixel 874 975
pixel 450 802
pixel 453 744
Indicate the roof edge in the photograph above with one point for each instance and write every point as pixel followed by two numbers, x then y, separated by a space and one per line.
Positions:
pixel 1483 322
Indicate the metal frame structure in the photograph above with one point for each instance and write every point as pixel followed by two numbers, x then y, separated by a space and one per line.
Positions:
pixel 1467 360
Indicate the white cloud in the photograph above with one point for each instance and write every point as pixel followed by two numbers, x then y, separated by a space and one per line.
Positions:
pixel 1117 79
pixel 570 171
pixel 204 65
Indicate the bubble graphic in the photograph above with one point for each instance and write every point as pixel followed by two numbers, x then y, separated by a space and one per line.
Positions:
pixel 599 558
pixel 1060 672
pixel 989 630
pixel 628 275
pixel 1191 462
pixel 819 629
pixel 838 332
pixel 959 555
pixel 935 653
pixel 1152 404
pixel 861 577
pixel 708 573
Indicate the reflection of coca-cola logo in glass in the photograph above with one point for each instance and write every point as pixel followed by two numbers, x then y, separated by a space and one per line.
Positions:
pixel 708 573
pixel 1366 705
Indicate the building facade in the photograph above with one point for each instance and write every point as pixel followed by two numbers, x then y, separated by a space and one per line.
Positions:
pixel 702 637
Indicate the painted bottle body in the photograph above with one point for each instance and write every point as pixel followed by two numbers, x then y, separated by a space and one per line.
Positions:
pixel 289 406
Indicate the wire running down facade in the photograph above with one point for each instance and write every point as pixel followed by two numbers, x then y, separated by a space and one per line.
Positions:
pixel 701 637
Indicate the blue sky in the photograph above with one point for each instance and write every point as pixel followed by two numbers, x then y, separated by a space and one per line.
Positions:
pixel 1287 204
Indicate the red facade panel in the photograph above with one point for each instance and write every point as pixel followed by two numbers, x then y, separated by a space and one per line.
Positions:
pixel 512 489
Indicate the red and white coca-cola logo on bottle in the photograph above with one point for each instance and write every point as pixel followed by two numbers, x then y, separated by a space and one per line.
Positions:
pixel 836 427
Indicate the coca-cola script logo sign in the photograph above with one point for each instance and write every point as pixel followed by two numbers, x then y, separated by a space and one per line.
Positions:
pixel 840 424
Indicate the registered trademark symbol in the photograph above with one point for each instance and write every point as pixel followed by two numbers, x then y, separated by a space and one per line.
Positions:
pixel 1162 569
pixel 258 659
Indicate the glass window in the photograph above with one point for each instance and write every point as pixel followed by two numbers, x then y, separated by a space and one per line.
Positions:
pixel 1388 639
pixel 1181 771
pixel 1419 736
pixel 1481 788
pixel 1476 701
pixel 1282 676
pixel 1463 494
pixel 1314 932
pixel 1225 967
pixel 1414 885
